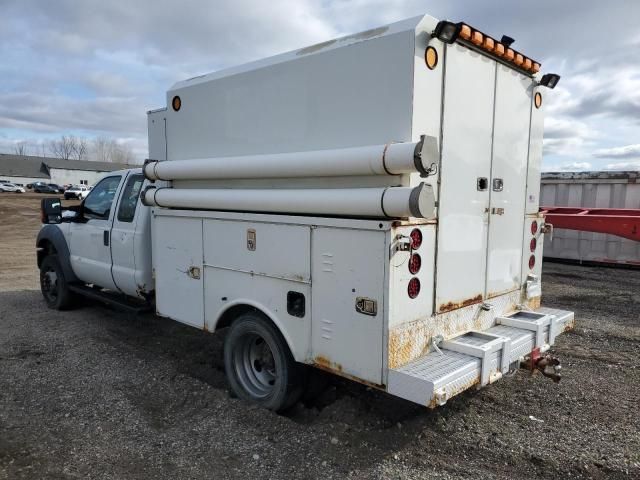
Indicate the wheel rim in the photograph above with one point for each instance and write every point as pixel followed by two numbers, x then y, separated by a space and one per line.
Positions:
pixel 49 283
pixel 255 365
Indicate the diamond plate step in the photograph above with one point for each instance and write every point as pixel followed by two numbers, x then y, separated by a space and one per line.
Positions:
pixel 476 358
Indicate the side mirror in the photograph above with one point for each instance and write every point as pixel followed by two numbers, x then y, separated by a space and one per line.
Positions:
pixel 51 210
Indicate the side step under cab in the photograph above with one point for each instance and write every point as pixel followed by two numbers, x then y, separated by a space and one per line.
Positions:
pixel 113 299
pixel 477 358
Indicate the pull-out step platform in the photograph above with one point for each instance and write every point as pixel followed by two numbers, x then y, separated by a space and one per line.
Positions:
pixel 477 358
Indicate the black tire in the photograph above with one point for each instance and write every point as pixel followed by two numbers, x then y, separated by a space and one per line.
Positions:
pixel 259 365
pixel 53 285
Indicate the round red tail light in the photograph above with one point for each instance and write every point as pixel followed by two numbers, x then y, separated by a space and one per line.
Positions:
pixel 415 262
pixel 413 289
pixel 533 244
pixel 534 227
pixel 532 261
pixel 416 239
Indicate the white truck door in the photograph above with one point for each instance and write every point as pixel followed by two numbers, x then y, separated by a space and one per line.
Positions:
pixel 91 240
pixel 465 176
pixel 508 180
pixel 123 235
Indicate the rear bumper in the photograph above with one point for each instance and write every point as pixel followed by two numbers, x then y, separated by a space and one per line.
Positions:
pixel 477 358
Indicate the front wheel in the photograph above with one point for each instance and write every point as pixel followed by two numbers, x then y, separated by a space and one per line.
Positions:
pixel 53 284
pixel 259 364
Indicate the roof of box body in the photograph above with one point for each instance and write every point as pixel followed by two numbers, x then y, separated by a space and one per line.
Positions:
pixel 39 167
pixel 391 29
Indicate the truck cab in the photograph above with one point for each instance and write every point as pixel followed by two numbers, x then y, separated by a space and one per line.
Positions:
pixel 103 242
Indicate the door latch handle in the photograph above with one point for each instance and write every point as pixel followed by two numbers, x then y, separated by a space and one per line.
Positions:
pixel 498 184
pixel 482 183
pixel 105 238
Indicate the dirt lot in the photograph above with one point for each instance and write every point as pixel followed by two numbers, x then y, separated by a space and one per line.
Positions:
pixel 99 394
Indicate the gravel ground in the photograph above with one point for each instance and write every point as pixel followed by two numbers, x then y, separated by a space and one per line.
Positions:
pixel 99 394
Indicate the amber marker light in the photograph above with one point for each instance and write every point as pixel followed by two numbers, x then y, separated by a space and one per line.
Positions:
pixel 176 103
pixel 431 57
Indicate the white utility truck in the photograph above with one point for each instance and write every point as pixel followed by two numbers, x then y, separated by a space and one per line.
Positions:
pixel 367 206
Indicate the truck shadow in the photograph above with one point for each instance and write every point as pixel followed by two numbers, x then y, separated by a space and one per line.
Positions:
pixel 199 355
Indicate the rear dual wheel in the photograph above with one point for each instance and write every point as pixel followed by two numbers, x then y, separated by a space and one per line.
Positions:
pixel 259 364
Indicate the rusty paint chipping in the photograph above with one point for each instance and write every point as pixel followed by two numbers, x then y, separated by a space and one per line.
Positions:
pixel 327 365
pixel 447 307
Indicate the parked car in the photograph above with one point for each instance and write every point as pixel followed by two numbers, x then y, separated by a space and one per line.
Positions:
pixel 56 187
pixel 76 191
pixel 43 188
pixel 10 187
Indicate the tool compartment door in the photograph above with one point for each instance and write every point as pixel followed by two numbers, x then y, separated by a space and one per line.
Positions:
pixel 345 267
pixel 177 263
pixel 508 180
pixel 465 175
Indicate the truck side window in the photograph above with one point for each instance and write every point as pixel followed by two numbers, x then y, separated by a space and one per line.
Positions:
pixel 98 203
pixel 129 199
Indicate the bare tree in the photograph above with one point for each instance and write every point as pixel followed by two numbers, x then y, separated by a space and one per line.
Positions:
pixel 21 148
pixel 81 148
pixel 109 150
pixel 63 148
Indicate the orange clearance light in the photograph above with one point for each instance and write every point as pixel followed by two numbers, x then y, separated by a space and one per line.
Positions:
pixel 465 32
pixel 176 103
pixel 509 54
pixel 527 64
pixel 431 57
pixel 499 49
pixel 519 59
pixel 489 43
pixel 537 100
pixel 535 68
pixel 476 38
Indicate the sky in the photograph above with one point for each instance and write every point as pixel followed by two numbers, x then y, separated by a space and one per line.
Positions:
pixel 94 67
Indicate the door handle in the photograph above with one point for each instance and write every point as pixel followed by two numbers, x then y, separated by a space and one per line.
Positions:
pixel 105 238
pixel 482 183
pixel 498 184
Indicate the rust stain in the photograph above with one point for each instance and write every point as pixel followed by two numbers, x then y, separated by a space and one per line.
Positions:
pixel 450 393
pixel 447 307
pixel 408 343
pixel 327 365
pixel 534 303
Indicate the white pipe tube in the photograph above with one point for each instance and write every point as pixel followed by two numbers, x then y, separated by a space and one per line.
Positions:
pixel 390 159
pixel 391 202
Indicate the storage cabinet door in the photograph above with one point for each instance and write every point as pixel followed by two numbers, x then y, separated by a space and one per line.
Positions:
pixel 177 260
pixel 347 265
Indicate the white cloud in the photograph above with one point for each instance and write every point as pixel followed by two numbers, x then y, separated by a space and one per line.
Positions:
pixel 626 151
pixel 569 167
pixel 624 166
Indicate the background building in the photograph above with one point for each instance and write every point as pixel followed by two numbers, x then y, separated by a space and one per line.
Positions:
pixel 21 169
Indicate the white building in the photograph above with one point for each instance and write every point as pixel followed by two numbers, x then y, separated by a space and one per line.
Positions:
pixel 24 170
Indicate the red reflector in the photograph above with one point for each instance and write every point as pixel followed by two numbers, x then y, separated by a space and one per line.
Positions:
pixel 416 239
pixel 532 261
pixel 534 227
pixel 414 287
pixel 533 244
pixel 415 262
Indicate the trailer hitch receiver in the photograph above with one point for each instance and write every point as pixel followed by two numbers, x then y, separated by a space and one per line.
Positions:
pixel 546 364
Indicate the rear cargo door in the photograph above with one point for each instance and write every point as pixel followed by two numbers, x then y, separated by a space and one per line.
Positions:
pixel 508 180
pixel 467 128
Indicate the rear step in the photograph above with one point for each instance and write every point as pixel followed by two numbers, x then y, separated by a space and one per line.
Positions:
pixel 113 299
pixel 477 358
